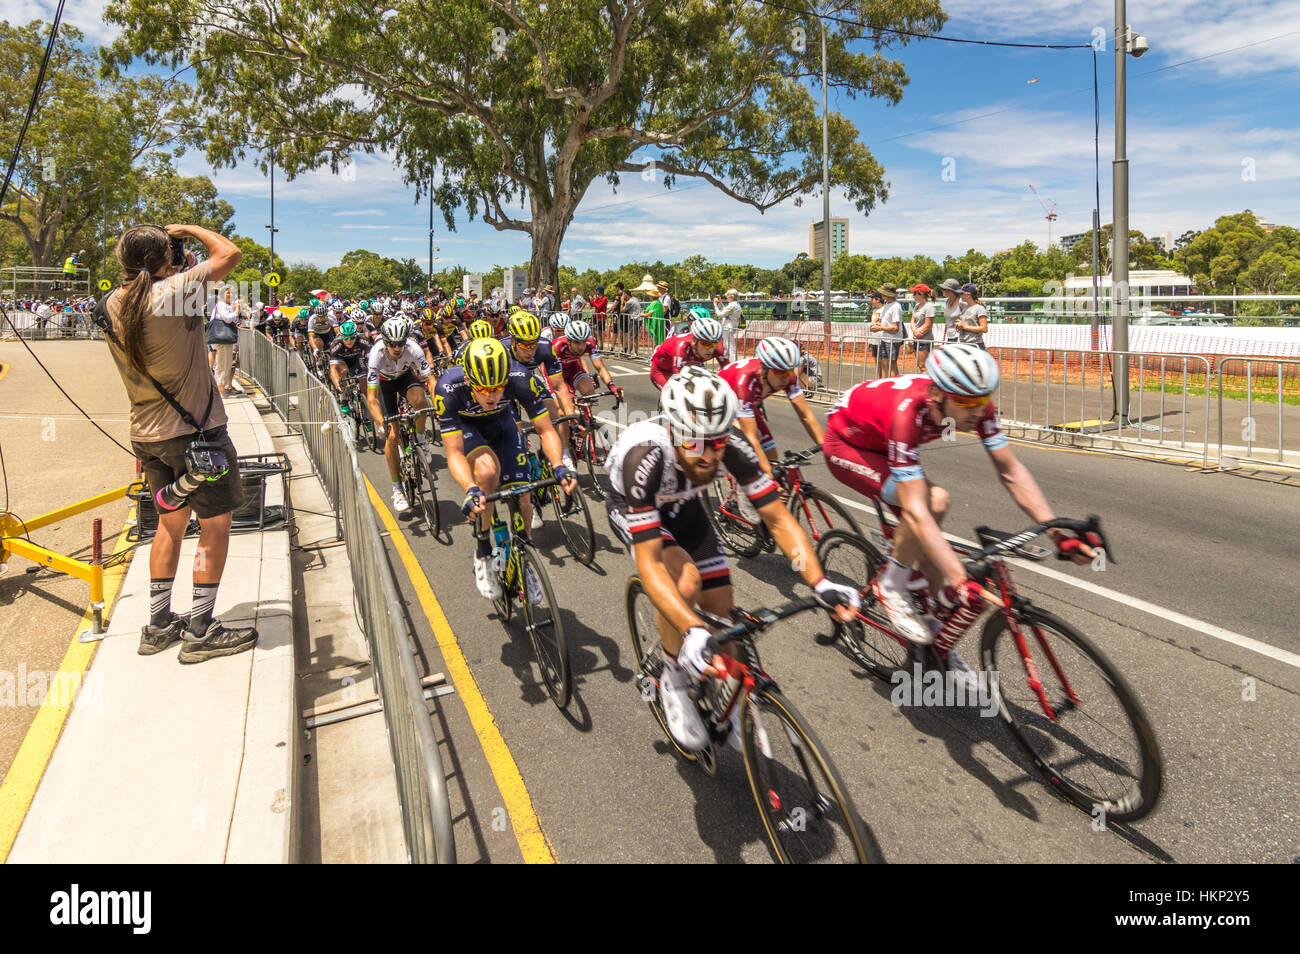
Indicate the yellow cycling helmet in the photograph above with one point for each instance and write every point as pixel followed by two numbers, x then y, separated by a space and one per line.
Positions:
pixel 486 363
pixel 428 314
pixel 524 327
pixel 479 329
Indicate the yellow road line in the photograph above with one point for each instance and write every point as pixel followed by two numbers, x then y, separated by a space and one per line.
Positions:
pixel 42 736
pixel 4 369
pixel 528 830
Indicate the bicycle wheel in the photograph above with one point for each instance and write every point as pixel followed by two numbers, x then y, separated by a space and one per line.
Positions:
pixel 1100 751
pixel 848 559
pixel 596 450
pixel 647 647
pixel 737 534
pixel 805 806
pixel 579 534
pixel 545 628
pixel 429 496
pixel 817 513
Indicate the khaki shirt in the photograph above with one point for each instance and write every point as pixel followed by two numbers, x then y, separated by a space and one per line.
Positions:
pixel 176 354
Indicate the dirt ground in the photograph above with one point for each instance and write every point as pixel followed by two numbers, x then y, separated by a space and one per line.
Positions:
pixel 53 457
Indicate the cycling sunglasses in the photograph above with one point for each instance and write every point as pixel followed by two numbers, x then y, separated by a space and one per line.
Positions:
pixel 968 402
pixel 696 446
pixel 478 390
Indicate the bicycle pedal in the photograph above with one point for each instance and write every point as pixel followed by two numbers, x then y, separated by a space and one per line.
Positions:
pixel 646 686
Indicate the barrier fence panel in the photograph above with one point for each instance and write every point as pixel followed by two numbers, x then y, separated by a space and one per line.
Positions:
pixel 421 780
pixel 1270 390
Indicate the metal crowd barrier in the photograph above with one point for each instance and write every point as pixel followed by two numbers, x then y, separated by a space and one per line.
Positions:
pixel 421 779
pixel 26 324
pixel 1275 380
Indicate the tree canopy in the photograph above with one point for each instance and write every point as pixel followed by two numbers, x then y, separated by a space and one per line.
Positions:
pixel 511 109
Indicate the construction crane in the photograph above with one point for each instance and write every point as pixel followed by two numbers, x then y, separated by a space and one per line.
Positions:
pixel 1051 213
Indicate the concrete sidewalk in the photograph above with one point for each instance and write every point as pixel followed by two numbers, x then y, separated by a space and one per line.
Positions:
pixel 165 763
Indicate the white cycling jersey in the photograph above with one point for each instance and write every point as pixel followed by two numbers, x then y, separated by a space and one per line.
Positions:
pixel 380 367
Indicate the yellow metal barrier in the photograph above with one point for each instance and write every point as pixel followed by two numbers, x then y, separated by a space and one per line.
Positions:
pixel 13 533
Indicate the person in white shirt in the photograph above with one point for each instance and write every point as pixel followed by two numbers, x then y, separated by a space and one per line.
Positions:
pixel 226 309
pixel 952 308
pixel 730 318
pixel 576 303
pixel 892 335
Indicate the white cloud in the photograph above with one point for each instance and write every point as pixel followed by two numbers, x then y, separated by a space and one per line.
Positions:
pixel 361 212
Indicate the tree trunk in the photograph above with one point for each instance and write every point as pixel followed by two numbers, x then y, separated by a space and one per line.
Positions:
pixel 549 226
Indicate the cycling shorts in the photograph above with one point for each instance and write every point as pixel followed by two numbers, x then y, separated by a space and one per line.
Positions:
pixel 689 528
pixel 867 472
pixel 391 390
pixel 501 435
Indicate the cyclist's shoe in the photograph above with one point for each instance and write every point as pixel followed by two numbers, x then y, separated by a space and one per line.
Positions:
pixel 154 639
pixel 902 614
pixel 538 523
pixel 533 587
pixel 566 458
pixel 216 640
pixel 747 508
pixel 401 506
pixel 733 738
pixel 683 718
pixel 489 587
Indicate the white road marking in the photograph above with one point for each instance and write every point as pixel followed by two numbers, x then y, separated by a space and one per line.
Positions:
pixel 1188 622
pixel 618 371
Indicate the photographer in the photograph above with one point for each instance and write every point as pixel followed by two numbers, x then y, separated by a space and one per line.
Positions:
pixel 178 424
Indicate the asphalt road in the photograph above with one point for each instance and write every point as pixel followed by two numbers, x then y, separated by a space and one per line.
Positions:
pixel 1197 560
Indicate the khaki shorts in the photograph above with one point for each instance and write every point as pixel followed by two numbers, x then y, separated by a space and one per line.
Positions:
pixel 164 461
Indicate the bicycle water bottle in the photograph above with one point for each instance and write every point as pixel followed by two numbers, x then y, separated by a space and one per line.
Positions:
pixel 534 468
pixel 500 540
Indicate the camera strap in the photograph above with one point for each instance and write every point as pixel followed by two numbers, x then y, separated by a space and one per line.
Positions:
pixel 100 316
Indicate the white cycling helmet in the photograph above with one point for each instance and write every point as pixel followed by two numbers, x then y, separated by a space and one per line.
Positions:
pixel 558 320
pixel 395 330
pixel 707 329
pixel 698 403
pixel 577 330
pixel 963 369
pixel 780 354
pixel 408 305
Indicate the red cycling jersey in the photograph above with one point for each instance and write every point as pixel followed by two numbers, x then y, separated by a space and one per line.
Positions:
pixel 880 425
pixel 746 379
pixel 571 365
pixel 677 352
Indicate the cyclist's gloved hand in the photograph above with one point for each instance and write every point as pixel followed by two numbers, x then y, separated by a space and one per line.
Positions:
pixel 696 657
pixel 1072 548
pixel 568 480
pixel 615 390
pixel 833 596
pixel 473 501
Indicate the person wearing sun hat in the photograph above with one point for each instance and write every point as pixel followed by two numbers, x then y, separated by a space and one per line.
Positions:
pixel 974 321
pixel 952 306
pixel 892 335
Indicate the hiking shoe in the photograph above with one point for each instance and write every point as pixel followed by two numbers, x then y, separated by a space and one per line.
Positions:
pixel 154 639
pixel 218 640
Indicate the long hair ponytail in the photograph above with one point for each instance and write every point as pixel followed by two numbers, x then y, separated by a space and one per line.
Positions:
pixel 141 251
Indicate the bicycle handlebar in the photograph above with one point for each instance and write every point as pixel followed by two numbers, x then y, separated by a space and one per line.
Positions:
pixel 1080 528
pixel 754 622
pixel 409 416
pixel 521 489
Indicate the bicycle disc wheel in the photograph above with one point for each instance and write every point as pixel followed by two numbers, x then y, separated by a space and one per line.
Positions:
pixel 647 647
pixel 817 513
pixel 579 534
pixel 806 809
pixel 1100 752
pixel 737 534
pixel 850 560
pixel 545 629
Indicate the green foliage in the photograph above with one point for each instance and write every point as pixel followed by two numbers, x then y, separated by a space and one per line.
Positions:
pixel 1238 254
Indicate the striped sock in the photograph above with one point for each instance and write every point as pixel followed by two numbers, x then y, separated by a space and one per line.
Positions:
pixel 160 600
pixel 205 599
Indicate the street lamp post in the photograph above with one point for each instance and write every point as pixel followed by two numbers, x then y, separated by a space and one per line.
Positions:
pixel 429 282
pixel 272 227
pixel 1125 44
pixel 826 201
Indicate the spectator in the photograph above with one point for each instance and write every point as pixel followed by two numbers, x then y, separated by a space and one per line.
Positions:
pixel 576 303
pixel 44 312
pixel 225 310
pixel 546 300
pixel 157 342
pixel 952 307
pixel 730 317
pixel 922 323
pixel 892 334
pixel 672 307
pixel 973 324
pixel 877 306
pixel 600 305
pixel 620 309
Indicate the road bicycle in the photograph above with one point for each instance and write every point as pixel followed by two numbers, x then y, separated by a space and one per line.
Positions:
pixel 415 467
pixel 1068 707
pixel 816 511
pixel 570 510
pixel 806 809
pixel 589 443
pixel 514 556
pixel 352 404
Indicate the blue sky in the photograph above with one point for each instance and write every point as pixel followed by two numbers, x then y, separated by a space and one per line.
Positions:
pixel 1204 139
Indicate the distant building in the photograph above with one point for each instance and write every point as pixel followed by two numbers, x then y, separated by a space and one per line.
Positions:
pixel 1142 283
pixel 839 239
pixel 1066 243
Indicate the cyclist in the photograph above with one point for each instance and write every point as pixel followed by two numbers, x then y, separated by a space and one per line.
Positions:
pixel 397 366
pixel 657 469
pixel 298 328
pixel 526 347
pixel 570 350
pixel 277 326
pixel 555 326
pixel 320 327
pixel 873 439
pixel 475 403
pixel 773 368
pixel 431 329
pixel 697 346
pixel 479 328
pixel 347 356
